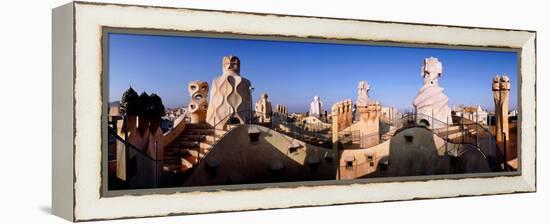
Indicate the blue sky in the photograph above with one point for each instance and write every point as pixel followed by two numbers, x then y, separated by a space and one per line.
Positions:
pixel 292 73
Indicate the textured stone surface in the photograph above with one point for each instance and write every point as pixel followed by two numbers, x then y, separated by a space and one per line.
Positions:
pixel 267 160
pixel 334 128
pixel 362 94
pixel 431 103
pixel 428 154
pixel 369 112
pixel 316 107
pixel 342 114
pixel 131 123
pixel 501 93
pixel 263 109
pixel 155 146
pixel 369 124
pixel 230 95
pixel 389 113
pixel 198 91
pixel 281 109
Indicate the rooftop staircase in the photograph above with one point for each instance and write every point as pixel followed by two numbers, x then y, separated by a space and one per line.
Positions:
pixel 192 145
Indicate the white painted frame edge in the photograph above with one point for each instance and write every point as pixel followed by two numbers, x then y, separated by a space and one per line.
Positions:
pixel 90 18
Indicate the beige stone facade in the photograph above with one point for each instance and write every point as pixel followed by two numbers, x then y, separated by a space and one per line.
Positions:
pixel 281 109
pixel 431 104
pixel 263 109
pixel 369 124
pixel 198 91
pixel 345 114
pixel 316 107
pixel 230 95
pixel 501 93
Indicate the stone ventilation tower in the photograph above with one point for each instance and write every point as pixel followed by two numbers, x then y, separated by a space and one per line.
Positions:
pixel 431 104
pixel 369 123
pixel 501 92
pixel 345 114
pixel 369 113
pixel 316 107
pixel 335 117
pixel 230 98
pixel 281 109
pixel 342 116
pixel 263 109
pixel 198 106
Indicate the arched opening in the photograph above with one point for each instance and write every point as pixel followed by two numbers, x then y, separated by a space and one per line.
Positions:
pixel 198 97
pixel 233 120
pixel 424 122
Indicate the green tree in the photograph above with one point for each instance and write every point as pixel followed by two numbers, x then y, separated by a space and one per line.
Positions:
pixel 144 104
pixel 130 103
pixel 155 107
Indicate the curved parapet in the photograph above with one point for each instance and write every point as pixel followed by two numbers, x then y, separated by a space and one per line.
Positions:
pixel 418 151
pixel 412 152
pixel 357 163
pixel 273 157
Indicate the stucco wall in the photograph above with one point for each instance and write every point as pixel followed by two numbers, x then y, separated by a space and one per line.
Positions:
pixel 243 162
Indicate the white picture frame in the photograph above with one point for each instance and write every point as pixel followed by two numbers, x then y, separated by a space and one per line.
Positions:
pixel 78 110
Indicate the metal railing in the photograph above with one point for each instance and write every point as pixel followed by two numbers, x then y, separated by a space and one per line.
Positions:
pixel 251 118
pixel 459 131
pixel 301 131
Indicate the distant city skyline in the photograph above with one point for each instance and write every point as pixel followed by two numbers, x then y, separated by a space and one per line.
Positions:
pixel 292 73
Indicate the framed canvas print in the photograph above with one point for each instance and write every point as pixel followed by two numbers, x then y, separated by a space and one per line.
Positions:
pixel 157 111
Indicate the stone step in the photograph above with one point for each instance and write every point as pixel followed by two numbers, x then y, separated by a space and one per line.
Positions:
pixel 198 135
pixel 176 167
pixel 210 139
pixel 220 133
pixel 190 158
pixel 455 135
pixel 205 138
pixel 231 126
pixel 190 137
pixel 174 150
pixel 198 126
pixel 188 141
pixel 171 159
pixel 170 167
pixel 188 145
pixel 184 164
pixel 197 154
pixel 189 164
pixel 205 145
pixel 447 129
pixel 195 131
pixel 183 144
pixel 179 147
